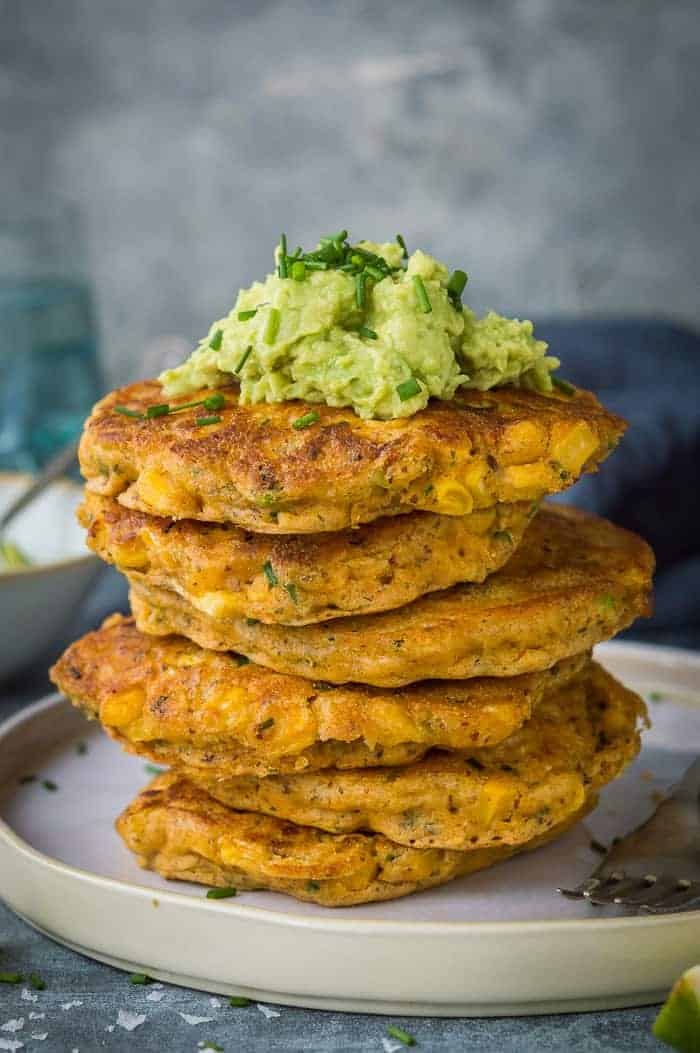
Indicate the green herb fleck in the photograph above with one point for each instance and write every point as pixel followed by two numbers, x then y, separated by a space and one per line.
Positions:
pixel 269 572
pixel 360 290
pixel 162 409
pixel 126 412
pixel 140 979
pixel 607 602
pixel 202 422
pixel 298 270
pixel 214 402
pixel 408 388
pixel 266 724
pixel 49 785
pixel 238 1001
pixel 243 359
pixel 215 342
pixel 401 1035
pixel 655 696
pixel 36 982
pixel 312 886
pixel 306 421
pixel 282 257
pixel 291 590
pixel 422 297
pixel 455 288
pixel 503 535
pixel 221 893
pixel 241 659
pixel 153 769
pixel 564 386
pixel 12 556
pixel 11 978
pixel 368 334
pixel 272 326
pixel 252 621
pixel 243 316
pixel 402 243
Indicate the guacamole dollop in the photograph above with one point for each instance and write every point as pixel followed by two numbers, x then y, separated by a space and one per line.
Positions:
pixel 382 336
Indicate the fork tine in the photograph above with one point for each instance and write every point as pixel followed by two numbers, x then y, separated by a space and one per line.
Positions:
pixel 680 899
pixel 614 891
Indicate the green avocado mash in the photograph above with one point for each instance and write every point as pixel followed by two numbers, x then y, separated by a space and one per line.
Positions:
pixel 365 326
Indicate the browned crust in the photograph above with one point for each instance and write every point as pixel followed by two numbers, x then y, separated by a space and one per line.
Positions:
pixel 317 577
pixel 574 580
pixel 166 699
pixel 254 469
pixel 183 834
pixel 580 738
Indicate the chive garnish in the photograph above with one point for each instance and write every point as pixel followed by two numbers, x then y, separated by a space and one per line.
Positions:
pixel 360 297
pixel 49 785
pixel 272 326
pixel 238 1001
pixel 201 422
pixel 563 385
pixel 126 412
pixel 252 621
pixel 503 535
pixel 401 1035
pixel 402 243
pixel 221 893
pixel 243 316
pixel 161 410
pixel 421 294
pixel 140 979
pixel 244 358
pixel 269 572
pixel 374 272
pixel 153 769
pixel 312 886
pixel 282 265
pixel 291 590
pixel 306 421
pixel 215 342
pixel 214 402
pixel 369 334
pixel 455 288
pixel 407 389
pixel 36 982
pixel 298 270
pixel 316 265
pixel 266 724
pixel 11 978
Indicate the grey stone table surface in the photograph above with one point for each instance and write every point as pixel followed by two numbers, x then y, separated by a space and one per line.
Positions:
pixel 88 1007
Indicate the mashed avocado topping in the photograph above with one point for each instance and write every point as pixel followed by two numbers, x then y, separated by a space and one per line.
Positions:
pixel 366 326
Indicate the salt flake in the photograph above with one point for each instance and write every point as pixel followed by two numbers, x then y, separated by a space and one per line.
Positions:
pixel 189 1019
pixel 391 1047
pixel 28 996
pixel 11 1044
pixel 71 1005
pixel 130 1021
pixel 267 1012
pixel 13 1025
pixel 215 1003
pixel 37 1016
pixel 40 1036
pixel 155 996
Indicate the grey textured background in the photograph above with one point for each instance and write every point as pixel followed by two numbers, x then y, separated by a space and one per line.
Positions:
pixel 549 146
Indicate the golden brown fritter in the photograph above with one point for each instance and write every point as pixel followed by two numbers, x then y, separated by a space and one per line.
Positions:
pixel 574 580
pixel 223 570
pixel 182 833
pixel 579 739
pixel 166 699
pixel 254 468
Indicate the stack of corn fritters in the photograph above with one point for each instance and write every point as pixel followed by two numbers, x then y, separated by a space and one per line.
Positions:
pixel 361 647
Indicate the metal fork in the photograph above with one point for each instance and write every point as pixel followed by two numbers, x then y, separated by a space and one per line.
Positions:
pixel 656 868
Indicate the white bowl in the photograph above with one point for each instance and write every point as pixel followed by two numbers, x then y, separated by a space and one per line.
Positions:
pixel 36 601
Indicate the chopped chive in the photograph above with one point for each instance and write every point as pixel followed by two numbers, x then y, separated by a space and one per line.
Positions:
pixel 215 342
pixel 563 385
pixel 282 265
pixel 312 886
pixel 408 388
pixel 214 402
pixel 140 979
pixel 401 1035
pixel 153 769
pixel 402 243
pixel 291 590
pixel 243 316
pixel 272 326
pixel 369 334
pixel 269 572
pixel 455 288
pixel 244 358
pixel 49 785
pixel 266 724
pixel 306 421
pixel 607 601
pixel 503 535
pixel 11 978
pixel 421 294
pixel 315 265
pixel 81 748
pixel 298 270
pixel 360 296
pixel 322 685
pixel 25 779
pixel 655 696
pixel 238 1001
pixel 36 982
pixel 161 410
pixel 374 272
pixel 126 412
pixel 252 621
pixel 201 422
pixel 241 659
pixel 221 893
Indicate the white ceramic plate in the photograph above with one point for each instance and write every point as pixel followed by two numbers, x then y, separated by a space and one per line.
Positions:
pixel 500 942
